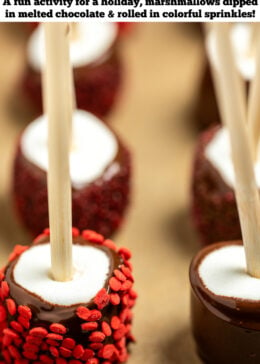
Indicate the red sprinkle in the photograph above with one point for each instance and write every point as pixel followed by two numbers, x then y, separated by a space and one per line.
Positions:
pixel 97 337
pixel 110 244
pixel 31 347
pixel 125 252
pixel 78 351
pixel 108 351
pixel 95 315
pixel 16 326
pixel 4 289
pixel 102 299
pixel 61 361
pixel 6 340
pixel 65 352
pixel 52 342
pixel 124 315
pixel 25 312
pixel 89 326
pixel 46 359
pixel 24 322
pixel 39 238
pixel 119 275
pixel 12 334
pixel 18 250
pixel 115 322
pixel 129 265
pixel 83 312
pixel 52 336
pixel 114 299
pixel 106 329
pixel 68 343
pixel 38 332
pixel 58 328
pixel 92 361
pixel 126 285
pixel 133 294
pixel 30 355
pixel 118 334
pixel 88 354
pixel 92 236
pixel 11 306
pixel 75 232
pixel 125 300
pixel 115 284
pixel 96 346
pixel 14 352
pixel 33 340
pixel 46 231
pixel 54 351
pixel 127 272
pixel 121 344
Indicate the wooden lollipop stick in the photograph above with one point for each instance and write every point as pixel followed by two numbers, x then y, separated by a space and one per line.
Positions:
pixel 231 98
pixel 73 101
pixel 254 96
pixel 57 97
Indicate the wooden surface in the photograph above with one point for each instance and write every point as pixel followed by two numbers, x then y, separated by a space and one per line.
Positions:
pixel 163 63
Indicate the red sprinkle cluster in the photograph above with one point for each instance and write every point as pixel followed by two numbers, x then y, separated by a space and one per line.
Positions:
pixel 23 340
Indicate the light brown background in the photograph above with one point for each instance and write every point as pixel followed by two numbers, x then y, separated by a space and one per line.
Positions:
pixel 163 63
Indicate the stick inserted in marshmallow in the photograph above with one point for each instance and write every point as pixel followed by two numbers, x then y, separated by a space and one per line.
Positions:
pixel 58 103
pixel 231 98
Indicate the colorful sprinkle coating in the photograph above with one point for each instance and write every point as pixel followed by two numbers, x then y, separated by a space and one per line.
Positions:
pixel 25 340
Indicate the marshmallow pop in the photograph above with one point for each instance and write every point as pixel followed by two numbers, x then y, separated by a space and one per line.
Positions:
pixel 100 170
pixel 95 61
pixel 225 306
pixel 84 320
pixel 242 38
pixel 225 277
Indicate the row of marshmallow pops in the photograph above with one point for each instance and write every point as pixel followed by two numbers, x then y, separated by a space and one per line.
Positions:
pixel 100 176
pixel 225 277
pixel 239 255
pixel 67 298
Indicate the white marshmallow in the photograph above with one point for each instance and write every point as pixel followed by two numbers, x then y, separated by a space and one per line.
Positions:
pixel 218 152
pixel 91 269
pixel 223 272
pixel 94 147
pixel 93 41
pixel 242 44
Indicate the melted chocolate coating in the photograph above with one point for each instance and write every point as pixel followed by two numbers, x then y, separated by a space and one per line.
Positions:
pixel 226 329
pixel 45 313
